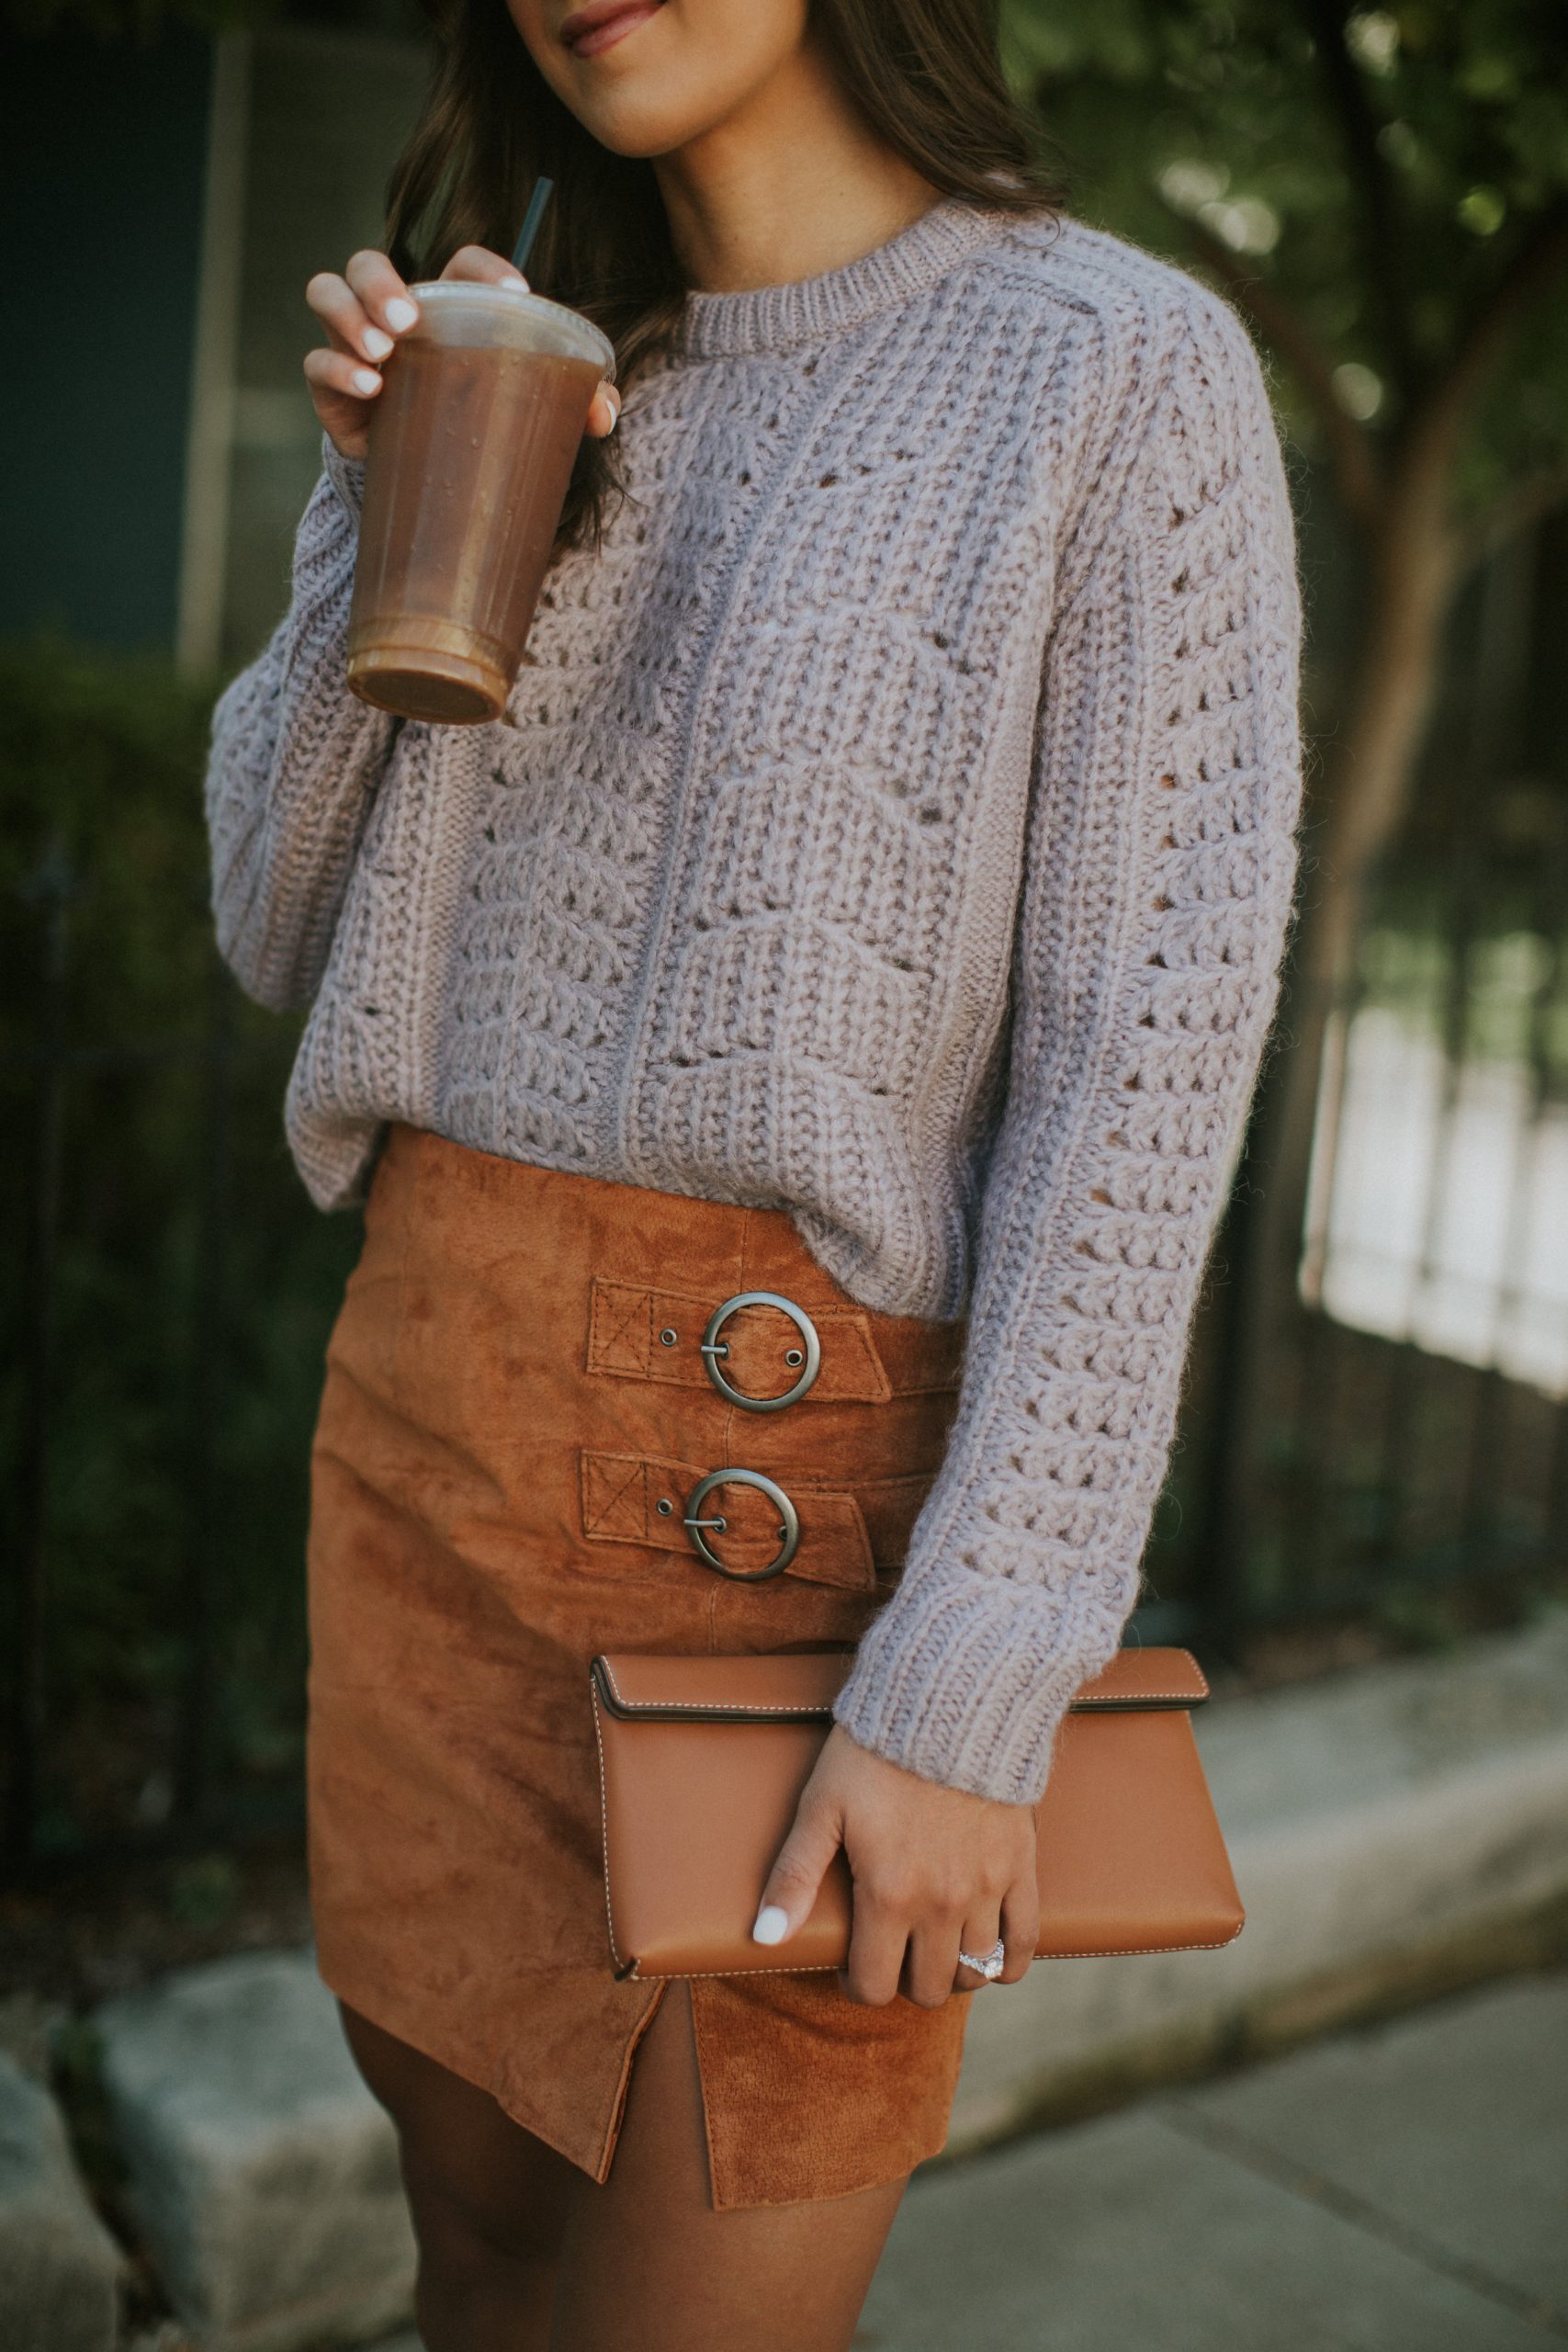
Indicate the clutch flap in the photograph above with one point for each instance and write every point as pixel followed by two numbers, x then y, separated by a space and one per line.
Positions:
pixel 779 1687
pixel 785 1687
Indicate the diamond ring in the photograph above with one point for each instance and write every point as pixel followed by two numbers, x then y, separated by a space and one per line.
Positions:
pixel 990 1967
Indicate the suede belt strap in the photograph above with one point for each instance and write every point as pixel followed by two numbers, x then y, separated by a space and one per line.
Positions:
pixel 844 1538
pixel 639 1333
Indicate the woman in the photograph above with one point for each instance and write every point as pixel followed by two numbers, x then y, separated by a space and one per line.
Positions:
pixel 875 896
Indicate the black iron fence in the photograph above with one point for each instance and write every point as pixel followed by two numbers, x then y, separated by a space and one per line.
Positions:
pixel 1409 1430
pixel 1398 1423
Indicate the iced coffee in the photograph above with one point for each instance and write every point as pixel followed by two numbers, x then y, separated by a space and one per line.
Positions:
pixel 480 414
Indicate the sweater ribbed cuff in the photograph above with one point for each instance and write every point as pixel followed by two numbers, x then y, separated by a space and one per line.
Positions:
pixel 347 476
pixel 968 1686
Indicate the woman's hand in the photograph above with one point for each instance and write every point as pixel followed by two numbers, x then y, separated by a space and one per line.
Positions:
pixel 935 1871
pixel 365 311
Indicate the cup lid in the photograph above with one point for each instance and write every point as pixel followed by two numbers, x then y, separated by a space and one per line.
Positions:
pixel 471 311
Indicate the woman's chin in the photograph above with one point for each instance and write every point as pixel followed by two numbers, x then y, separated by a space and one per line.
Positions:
pixel 678 75
pixel 643 126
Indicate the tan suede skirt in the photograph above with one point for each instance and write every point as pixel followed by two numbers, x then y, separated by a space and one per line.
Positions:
pixel 517 1410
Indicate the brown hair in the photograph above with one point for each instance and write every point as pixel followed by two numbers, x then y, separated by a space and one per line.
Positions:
pixel 925 74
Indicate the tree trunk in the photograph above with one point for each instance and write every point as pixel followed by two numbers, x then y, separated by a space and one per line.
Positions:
pixel 1354 812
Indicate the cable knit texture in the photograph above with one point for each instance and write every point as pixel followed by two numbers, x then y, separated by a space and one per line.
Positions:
pixel 895 822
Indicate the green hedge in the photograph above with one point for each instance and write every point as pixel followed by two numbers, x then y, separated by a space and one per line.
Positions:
pixel 160 1346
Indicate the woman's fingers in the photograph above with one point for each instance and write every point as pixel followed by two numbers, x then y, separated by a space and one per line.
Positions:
pixel 932 1972
pixel 982 1932
pixel 364 313
pixel 1019 1926
pixel 1014 1924
pixel 340 372
pixel 605 414
pixel 480 264
pixel 879 1938
pixel 797 1873
pixel 347 323
pixel 344 392
pixel 382 297
pixel 936 1870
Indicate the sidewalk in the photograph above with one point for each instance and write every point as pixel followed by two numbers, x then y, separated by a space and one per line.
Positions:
pixel 1402 2189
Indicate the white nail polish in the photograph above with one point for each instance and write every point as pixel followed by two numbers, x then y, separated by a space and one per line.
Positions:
pixel 399 314
pixel 773 1925
pixel 376 345
pixel 366 380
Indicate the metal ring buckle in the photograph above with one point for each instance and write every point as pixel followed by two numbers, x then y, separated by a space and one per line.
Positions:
pixel 713 1348
pixel 696 1525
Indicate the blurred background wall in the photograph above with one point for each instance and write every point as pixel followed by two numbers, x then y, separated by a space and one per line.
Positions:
pixel 195 183
pixel 1374 1451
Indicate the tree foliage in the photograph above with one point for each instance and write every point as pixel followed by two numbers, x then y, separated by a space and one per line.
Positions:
pixel 1384 190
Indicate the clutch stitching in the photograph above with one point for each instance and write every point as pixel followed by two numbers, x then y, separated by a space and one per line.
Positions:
pixel 777 1714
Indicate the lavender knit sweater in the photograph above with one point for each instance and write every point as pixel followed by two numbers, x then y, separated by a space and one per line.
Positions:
pixel 895 822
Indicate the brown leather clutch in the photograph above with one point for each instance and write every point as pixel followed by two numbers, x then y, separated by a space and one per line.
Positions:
pixel 701 1761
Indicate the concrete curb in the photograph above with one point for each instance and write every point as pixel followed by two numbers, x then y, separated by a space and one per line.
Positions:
pixel 1376 1823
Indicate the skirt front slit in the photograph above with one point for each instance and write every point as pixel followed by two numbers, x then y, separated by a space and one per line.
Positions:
pixel 517 1408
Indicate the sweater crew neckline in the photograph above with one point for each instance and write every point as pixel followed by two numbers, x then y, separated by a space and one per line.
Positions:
pixel 772 317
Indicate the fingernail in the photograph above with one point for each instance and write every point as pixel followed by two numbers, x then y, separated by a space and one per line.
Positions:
pixel 614 410
pixel 376 345
pixel 366 380
pixel 400 314
pixel 773 1925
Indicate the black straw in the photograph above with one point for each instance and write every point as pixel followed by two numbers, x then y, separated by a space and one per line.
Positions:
pixel 531 219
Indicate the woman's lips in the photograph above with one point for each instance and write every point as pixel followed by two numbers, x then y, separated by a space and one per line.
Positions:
pixel 588 31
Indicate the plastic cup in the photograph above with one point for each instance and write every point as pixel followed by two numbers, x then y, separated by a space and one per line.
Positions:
pixel 482 408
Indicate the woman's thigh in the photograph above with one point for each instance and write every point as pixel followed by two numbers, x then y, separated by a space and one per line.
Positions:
pixel 649 2265
pixel 469 2169
pixel 643 2263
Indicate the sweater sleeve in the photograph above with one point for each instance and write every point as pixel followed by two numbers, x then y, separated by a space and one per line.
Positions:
pixel 1168 783
pixel 294 765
